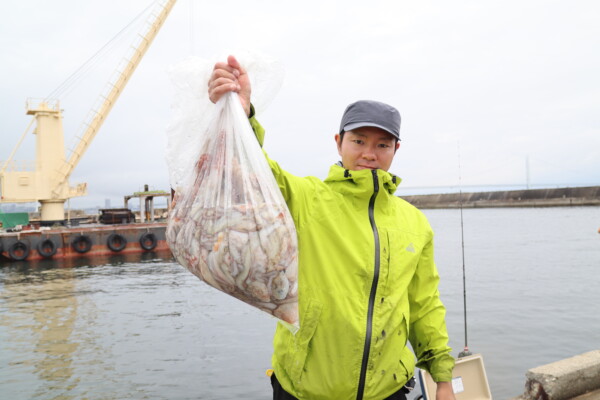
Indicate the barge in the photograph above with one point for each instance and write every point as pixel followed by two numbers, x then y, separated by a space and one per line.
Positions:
pixel 92 240
pixel 113 231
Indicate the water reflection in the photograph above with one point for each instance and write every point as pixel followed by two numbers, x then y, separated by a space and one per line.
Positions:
pixel 54 323
pixel 39 311
pixel 46 319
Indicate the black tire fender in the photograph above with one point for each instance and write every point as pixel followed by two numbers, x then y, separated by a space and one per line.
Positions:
pixel 19 250
pixel 82 244
pixel 116 242
pixel 46 248
pixel 148 241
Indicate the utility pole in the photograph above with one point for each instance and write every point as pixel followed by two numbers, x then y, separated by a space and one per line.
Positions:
pixel 527 170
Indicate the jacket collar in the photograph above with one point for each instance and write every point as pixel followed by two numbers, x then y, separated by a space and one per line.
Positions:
pixel 363 180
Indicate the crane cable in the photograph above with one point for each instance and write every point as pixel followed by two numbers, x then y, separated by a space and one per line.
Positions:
pixel 76 76
pixel 9 159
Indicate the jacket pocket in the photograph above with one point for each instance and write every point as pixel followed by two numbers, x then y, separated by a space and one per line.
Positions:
pixel 396 357
pixel 403 254
pixel 407 358
pixel 308 324
pixel 404 329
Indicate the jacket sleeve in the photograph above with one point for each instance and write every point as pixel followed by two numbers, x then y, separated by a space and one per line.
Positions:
pixel 428 333
pixel 296 191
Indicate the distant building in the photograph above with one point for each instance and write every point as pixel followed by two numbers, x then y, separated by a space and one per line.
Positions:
pixel 17 207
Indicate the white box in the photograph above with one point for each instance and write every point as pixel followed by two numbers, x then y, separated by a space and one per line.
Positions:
pixel 469 380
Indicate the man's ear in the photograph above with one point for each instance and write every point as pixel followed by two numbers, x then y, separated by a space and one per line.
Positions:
pixel 397 146
pixel 338 142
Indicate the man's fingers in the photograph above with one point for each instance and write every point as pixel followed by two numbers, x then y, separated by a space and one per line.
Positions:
pixel 233 63
pixel 223 73
pixel 217 90
pixel 224 87
pixel 220 77
pixel 229 77
pixel 235 70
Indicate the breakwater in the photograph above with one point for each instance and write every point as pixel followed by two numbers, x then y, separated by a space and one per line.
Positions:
pixel 557 197
pixel 577 377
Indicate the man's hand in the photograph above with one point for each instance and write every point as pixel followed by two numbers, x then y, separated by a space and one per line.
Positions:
pixel 444 391
pixel 230 77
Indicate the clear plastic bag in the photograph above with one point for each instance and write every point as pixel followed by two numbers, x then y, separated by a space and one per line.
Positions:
pixel 229 224
pixel 192 110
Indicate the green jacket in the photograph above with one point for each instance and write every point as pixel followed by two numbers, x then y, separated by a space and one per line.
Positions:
pixel 367 284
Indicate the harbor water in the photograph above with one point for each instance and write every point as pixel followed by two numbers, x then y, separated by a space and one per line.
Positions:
pixel 142 327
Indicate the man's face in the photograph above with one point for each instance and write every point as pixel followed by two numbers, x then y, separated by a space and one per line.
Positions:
pixel 367 147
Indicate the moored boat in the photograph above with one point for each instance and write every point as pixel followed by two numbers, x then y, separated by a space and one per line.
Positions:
pixel 90 240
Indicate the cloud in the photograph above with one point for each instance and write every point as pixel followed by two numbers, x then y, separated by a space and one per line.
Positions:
pixel 508 80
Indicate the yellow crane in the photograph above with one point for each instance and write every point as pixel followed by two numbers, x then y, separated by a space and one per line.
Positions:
pixel 47 181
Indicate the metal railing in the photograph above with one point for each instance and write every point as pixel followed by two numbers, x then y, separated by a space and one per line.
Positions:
pixel 17 166
pixel 41 104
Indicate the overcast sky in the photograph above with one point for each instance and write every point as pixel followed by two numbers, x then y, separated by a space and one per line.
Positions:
pixel 505 80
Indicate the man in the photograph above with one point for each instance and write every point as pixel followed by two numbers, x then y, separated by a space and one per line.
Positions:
pixel 367 279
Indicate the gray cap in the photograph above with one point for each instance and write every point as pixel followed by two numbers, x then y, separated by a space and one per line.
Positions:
pixel 371 113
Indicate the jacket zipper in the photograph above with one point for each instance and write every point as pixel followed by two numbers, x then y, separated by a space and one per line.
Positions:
pixel 367 348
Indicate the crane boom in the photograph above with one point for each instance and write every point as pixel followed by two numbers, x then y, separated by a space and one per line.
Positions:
pixel 47 181
pixel 116 88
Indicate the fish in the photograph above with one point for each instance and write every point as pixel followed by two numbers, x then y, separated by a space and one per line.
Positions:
pixel 231 227
pixel 253 258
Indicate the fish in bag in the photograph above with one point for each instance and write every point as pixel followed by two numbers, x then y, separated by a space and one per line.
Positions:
pixel 230 225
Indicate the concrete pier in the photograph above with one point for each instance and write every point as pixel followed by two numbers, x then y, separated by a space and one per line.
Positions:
pixel 558 197
pixel 573 378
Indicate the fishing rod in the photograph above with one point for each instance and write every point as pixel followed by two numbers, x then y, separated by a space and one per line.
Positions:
pixel 465 351
pixel 468 376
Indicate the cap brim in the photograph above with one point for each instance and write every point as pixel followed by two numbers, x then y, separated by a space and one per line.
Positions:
pixel 357 125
